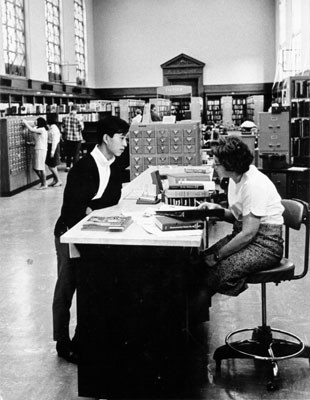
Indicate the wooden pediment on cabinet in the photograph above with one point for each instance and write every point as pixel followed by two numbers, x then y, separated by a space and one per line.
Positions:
pixel 184 70
pixel 183 61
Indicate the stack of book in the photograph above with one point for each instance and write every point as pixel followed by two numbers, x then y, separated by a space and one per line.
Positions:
pixel 185 219
pixel 189 194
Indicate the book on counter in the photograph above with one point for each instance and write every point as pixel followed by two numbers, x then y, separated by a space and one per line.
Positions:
pixel 187 193
pixel 192 213
pixel 186 186
pixel 114 223
pixel 165 223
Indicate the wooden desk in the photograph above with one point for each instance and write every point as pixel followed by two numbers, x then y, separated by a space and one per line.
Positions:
pixel 134 235
pixel 132 304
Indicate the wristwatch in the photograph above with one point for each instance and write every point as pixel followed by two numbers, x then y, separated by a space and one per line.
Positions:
pixel 216 256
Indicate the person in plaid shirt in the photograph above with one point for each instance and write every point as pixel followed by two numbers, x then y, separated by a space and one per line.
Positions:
pixel 72 133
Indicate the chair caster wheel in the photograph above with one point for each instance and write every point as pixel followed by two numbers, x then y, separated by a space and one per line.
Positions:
pixel 272 386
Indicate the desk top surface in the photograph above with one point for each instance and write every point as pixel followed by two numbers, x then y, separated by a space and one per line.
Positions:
pixel 135 234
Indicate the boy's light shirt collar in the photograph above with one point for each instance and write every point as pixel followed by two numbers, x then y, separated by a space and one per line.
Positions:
pixel 103 165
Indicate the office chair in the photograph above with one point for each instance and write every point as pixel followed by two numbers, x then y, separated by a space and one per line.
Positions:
pixel 262 345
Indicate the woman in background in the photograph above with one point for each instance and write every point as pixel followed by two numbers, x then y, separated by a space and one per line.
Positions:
pixel 39 132
pixel 53 149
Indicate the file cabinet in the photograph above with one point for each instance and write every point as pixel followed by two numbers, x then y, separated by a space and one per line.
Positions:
pixel 274 136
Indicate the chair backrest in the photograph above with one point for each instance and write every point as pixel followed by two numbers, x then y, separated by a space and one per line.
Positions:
pixel 294 211
pixel 297 213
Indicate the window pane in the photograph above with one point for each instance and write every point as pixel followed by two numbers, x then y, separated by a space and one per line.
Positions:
pixel 79 31
pixel 53 48
pixel 13 31
pixel 296 16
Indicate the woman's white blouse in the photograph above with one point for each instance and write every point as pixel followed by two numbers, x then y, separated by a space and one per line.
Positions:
pixel 256 194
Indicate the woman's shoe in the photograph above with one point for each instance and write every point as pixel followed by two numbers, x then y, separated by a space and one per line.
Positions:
pixel 42 187
pixel 57 184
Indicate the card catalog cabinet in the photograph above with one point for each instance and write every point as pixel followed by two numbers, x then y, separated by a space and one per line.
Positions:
pixel 163 144
pixel 15 156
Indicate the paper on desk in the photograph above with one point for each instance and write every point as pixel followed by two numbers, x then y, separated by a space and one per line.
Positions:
pixel 133 195
pixel 301 169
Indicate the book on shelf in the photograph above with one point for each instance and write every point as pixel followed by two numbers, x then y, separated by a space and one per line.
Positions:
pixel 174 224
pixel 114 223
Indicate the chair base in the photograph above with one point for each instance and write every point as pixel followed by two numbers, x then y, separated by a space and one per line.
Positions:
pixel 262 346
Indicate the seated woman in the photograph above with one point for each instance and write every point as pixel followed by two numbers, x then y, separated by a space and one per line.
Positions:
pixel 255 210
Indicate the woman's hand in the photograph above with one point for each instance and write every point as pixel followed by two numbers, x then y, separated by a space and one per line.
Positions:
pixel 88 210
pixel 209 206
pixel 209 260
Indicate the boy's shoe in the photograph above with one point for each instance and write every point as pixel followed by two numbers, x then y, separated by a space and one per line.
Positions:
pixel 65 351
pixel 42 187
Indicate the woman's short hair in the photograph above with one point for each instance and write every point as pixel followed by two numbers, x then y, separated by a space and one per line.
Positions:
pixel 109 126
pixel 233 154
pixel 41 123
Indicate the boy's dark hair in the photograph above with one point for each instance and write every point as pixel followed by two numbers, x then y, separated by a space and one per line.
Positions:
pixel 52 118
pixel 109 126
pixel 41 123
pixel 152 106
pixel 233 154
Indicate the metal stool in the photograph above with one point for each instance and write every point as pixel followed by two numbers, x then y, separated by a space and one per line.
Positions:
pixel 263 345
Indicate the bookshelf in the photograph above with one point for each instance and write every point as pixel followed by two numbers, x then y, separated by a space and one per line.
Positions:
pixel 163 106
pixel 214 111
pixel 298 94
pixel 127 108
pixel 293 94
pixel 254 105
pixel 239 112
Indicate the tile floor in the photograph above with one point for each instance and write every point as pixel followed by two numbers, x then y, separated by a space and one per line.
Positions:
pixel 29 366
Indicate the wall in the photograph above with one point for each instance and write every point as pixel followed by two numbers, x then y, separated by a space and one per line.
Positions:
pixel 234 38
pixel 35 40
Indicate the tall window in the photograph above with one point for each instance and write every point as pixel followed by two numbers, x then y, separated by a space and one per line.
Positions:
pixel 52 26
pixel 79 34
pixel 296 35
pixel 13 28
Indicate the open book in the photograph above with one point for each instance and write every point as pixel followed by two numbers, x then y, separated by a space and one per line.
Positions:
pixel 114 223
pixel 192 213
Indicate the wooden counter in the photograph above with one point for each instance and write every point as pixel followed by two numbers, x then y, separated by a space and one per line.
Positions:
pixel 133 304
